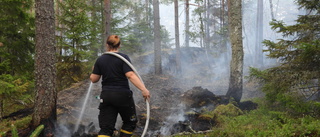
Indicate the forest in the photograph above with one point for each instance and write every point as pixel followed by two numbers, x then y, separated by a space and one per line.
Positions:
pixel 229 68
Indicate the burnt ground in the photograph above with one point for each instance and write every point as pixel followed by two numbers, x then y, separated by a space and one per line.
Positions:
pixel 175 107
pixel 176 99
pixel 165 101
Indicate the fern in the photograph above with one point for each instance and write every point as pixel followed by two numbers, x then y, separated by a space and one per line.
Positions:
pixel 37 131
pixel 14 131
pixel 2 134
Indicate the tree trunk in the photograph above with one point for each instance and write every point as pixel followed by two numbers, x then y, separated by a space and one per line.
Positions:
pixel 59 33
pixel 259 35
pixel 271 9
pixel 107 22
pixel 94 38
pixel 187 24
pixel 1 109
pixel 157 38
pixel 236 65
pixel 223 37
pixel 176 20
pixel 45 68
pixel 222 13
pixel 202 33
pixel 207 29
pixel 147 12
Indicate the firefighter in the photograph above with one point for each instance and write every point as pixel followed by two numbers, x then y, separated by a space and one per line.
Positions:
pixel 116 96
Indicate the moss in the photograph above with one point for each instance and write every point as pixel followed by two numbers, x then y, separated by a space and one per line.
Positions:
pixel 14 131
pixel 2 134
pixel 23 123
pixel 261 122
pixel 206 117
pixel 227 110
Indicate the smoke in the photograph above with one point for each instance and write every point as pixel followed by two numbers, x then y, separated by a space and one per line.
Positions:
pixel 62 130
pixel 71 105
pixel 176 116
pixel 199 68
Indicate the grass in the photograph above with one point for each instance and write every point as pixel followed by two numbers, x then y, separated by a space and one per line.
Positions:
pixel 261 123
pixel 6 125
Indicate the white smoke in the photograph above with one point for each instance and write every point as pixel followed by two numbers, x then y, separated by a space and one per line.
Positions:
pixel 172 119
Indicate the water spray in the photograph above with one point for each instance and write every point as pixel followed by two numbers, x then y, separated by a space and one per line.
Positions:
pixel 147 102
pixel 82 109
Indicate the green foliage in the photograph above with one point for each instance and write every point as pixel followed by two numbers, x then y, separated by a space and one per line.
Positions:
pixel 16 53
pixel 23 123
pixel 11 84
pixel 263 122
pixel 37 131
pixel 71 72
pixel 133 22
pixel 6 125
pixel 16 36
pixel 76 30
pixel 14 131
pixel 136 28
pixel 220 112
pixel 2 133
pixel 289 85
pixel 95 37
pixel 280 94
pixel 20 124
pixel 268 123
pixel 79 38
pixel 198 30
pixel 14 93
pixel 5 65
pixel 223 111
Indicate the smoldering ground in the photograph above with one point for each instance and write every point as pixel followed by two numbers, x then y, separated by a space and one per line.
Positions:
pixel 168 109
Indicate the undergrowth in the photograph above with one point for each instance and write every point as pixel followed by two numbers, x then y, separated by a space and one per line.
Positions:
pixel 232 122
pixel 6 125
pixel 262 122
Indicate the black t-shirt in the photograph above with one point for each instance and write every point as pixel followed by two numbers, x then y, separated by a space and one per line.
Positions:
pixel 113 70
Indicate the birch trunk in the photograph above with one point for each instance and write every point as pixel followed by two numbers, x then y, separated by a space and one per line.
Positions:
pixel 236 65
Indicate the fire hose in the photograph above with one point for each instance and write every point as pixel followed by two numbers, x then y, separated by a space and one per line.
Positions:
pixel 135 71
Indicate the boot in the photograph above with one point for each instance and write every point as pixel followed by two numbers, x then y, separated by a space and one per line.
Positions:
pixel 103 136
pixel 124 133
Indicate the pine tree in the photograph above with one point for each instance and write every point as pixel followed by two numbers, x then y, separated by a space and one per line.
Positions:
pixel 16 37
pixel 297 77
pixel 45 68
pixel 74 42
pixel 16 53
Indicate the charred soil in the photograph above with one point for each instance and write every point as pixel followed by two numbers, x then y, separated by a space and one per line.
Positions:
pixel 175 107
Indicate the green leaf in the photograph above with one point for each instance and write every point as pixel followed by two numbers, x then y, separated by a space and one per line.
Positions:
pixel 37 131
